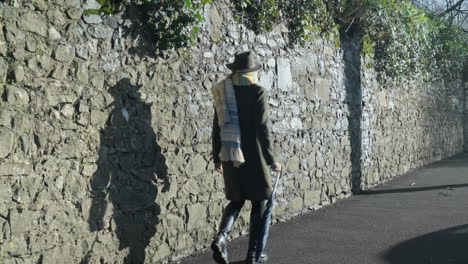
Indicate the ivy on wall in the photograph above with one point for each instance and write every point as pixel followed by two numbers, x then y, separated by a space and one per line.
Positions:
pixel 174 24
pixel 406 41
pixel 304 18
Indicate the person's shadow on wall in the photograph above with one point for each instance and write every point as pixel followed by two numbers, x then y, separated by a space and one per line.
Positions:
pixel 130 165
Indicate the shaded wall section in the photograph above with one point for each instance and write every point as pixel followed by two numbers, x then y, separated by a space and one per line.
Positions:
pixel 465 83
pixel 350 43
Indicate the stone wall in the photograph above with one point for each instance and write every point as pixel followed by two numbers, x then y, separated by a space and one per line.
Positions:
pixel 105 148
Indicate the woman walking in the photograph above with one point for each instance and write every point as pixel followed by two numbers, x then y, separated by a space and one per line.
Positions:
pixel 242 150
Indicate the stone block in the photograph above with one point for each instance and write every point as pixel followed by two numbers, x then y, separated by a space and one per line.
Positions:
pixel 309 91
pixel 55 98
pixel 60 71
pixel 173 223
pixel 82 73
pixel 15 169
pixel 6 142
pixel 56 16
pixel 98 117
pixel 271 63
pixel 3 70
pixel 267 80
pixel 91 4
pixel 33 22
pixel 272 43
pixel 304 65
pixel 23 221
pixel 312 198
pixel 320 160
pixel 15 247
pixel 382 99
pixel 17 96
pixel 112 21
pixel 19 74
pixel 6 194
pixel 262 39
pixel 82 52
pixel 14 35
pixel 196 216
pixel 196 165
pixel 54 34
pixel 43 242
pixel 296 204
pixel 323 88
pixel 18 54
pixel 67 110
pixel 59 255
pixel 101 31
pixel 162 251
pixel 74 13
pixel 293 164
pixel 92 19
pixel 71 148
pixel 40 65
pixel 31 45
pixel 5 118
pixel 296 123
pixel 285 81
pixel 23 123
pixel 304 183
pixel 25 143
pixel 73 3
pixel 64 53
pixel 5 230
pixel 192 186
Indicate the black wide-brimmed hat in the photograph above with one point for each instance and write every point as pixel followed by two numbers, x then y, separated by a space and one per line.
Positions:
pixel 245 61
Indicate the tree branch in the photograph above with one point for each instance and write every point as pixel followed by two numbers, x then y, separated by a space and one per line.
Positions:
pixel 452 8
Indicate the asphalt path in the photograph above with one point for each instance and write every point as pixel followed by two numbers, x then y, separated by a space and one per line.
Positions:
pixel 418 218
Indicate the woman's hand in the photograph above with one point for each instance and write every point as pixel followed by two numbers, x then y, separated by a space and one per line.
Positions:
pixel 276 166
pixel 219 167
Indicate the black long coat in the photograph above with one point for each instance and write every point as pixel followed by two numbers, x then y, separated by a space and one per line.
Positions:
pixel 252 180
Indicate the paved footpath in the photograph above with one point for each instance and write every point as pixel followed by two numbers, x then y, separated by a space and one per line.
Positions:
pixel 419 218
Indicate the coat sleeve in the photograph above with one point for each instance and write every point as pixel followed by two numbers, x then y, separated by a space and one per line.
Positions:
pixel 263 130
pixel 216 139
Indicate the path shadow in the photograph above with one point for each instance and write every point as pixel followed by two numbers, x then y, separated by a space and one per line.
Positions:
pixel 417 189
pixel 350 41
pixel 447 246
pixel 457 161
pixel 130 165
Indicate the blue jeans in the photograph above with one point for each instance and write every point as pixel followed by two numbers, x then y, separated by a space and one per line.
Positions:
pixel 231 212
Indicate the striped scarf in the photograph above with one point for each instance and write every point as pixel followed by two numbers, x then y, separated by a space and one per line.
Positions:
pixel 228 116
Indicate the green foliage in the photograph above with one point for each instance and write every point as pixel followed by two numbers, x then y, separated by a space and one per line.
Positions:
pixel 409 42
pixel 109 6
pixel 450 44
pixel 406 41
pixel 303 17
pixel 174 23
pixel 367 45
pixel 259 15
